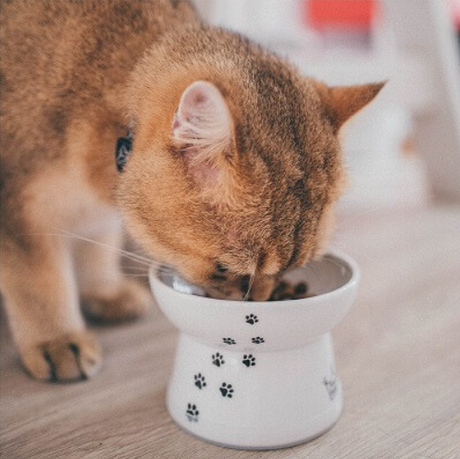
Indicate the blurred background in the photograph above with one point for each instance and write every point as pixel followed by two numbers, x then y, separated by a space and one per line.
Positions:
pixel 404 150
pixel 398 349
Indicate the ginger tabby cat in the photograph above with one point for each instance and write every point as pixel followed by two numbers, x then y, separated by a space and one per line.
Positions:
pixel 234 169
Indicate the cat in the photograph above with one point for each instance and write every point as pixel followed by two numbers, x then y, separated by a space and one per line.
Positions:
pixel 232 177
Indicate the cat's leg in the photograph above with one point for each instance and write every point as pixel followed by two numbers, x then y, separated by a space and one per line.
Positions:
pixel 106 294
pixel 42 304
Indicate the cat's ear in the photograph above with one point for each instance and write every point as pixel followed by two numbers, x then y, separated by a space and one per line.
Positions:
pixel 203 129
pixel 342 102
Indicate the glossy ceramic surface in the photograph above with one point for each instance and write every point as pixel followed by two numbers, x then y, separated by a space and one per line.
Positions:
pixel 259 375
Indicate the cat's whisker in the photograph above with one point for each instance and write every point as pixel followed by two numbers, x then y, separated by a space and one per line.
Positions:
pixel 159 266
pixel 137 275
pixel 139 268
pixel 134 269
pixel 131 254
pixel 143 271
pixel 251 282
pixel 154 264
pixel 147 262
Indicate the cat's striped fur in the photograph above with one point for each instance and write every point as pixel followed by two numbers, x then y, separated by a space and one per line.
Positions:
pixel 234 171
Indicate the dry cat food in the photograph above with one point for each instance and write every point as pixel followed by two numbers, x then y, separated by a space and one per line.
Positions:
pixel 287 291
pixel 283 291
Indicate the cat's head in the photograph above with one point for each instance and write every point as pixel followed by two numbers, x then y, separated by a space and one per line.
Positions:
pixel 236 167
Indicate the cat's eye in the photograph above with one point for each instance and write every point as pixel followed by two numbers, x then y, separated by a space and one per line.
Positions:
pixel 218 277
pixel 221 268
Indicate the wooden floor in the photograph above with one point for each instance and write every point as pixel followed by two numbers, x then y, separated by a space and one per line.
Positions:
pixel 398 354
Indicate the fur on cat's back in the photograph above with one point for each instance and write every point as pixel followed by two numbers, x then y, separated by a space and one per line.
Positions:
pixel 64 67
pixel 234 171
pixel 65 62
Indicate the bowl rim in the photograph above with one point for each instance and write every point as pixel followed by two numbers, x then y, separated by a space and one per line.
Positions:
pixel 338 255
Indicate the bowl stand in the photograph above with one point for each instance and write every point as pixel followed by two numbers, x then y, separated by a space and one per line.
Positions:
pixel 254 399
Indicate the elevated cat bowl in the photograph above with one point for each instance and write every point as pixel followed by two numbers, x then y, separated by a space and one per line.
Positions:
pixel 259 375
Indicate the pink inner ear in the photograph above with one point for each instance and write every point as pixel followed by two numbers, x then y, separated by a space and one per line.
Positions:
pixel 176 123
pixel 194 99
pixel 197 96
pixel 202 127
pixel 202 173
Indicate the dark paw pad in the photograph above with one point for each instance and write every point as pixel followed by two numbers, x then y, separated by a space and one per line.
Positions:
pixel 200 381
pixel 218 359
pixel 251 319
pixel 249 360
pixel 258 340
pixel 192 413
pixel 331 385
pixel 226 390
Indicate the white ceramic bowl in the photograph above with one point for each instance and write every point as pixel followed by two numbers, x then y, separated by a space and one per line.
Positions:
pixel 259 375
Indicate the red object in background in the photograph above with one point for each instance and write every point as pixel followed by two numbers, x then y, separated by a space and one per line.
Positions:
pixel 350 14
pixel 455 8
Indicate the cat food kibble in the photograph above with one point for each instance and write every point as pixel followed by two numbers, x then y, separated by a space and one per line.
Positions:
pixel 286 291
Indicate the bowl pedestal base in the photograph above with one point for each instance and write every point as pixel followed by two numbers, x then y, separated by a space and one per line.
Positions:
pixel 252 398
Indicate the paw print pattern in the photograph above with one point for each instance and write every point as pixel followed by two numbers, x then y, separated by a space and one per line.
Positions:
pixel 331 385
pixel 192 413
pixel 200 381
pixel 251 319
pixel 218 359
pixel 249 360
pixel 228 340
pixel 258 340
pixel 226 390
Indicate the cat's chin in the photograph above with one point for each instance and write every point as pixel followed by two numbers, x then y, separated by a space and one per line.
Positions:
pixel 216 294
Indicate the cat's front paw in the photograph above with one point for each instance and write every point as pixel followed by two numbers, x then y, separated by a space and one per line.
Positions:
pixel 129 302
pixel 72 357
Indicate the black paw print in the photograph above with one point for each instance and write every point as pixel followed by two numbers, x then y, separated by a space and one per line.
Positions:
pixel 331 385
pixel 226 390
pixel 192 413
pixel 251 319
pixel 258 340
pixel 218 359
pixel 200 381
pixel 249 360
pixel 228 340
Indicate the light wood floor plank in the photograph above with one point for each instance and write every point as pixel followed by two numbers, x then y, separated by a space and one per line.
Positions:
pixel 398 354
